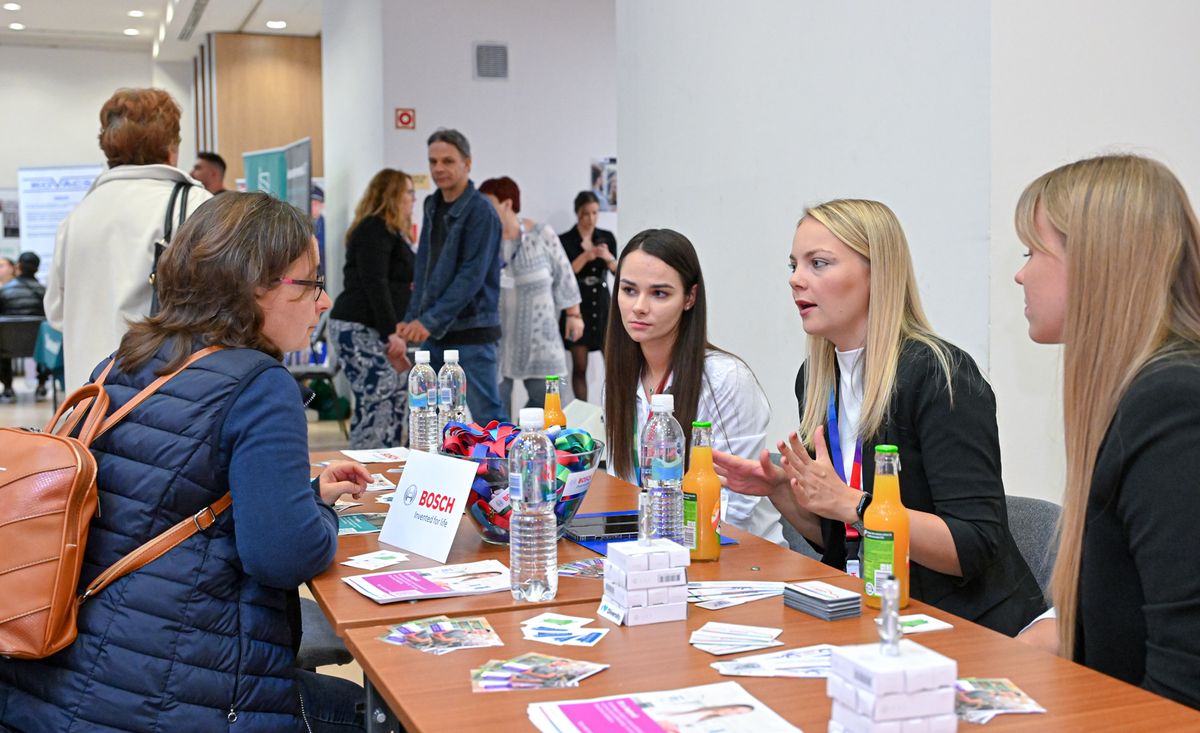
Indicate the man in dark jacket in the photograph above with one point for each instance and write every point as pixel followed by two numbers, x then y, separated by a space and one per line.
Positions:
pixel 456 291
pixel 22 296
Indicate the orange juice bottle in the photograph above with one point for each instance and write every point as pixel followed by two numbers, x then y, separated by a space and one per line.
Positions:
pixel 885 530
pixel 553 406
pixel 702 498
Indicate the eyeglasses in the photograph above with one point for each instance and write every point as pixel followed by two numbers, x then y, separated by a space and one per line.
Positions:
pixel 319 284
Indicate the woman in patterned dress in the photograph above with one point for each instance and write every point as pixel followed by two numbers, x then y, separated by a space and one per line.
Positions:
pixel 377 283
pixel 536 284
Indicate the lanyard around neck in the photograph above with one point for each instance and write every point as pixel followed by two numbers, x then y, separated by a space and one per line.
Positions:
pixel 834 437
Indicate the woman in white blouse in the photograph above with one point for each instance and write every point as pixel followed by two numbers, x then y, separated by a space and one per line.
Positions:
pixel 536 284
pixel 658 342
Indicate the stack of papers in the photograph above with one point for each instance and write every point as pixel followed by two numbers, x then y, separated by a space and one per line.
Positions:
pixel 532 672
pixel 807 661
pixel 378 455
pixel 485 576
pixel 557 629
pixel 593 567
pixel 978 700
pixel 723 706
pixel 823 600
pixel 717 594
pixel 916 623
pixel 440 634
pixel 718 638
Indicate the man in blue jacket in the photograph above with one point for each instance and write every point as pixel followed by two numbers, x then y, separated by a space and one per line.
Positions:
pixel 456 289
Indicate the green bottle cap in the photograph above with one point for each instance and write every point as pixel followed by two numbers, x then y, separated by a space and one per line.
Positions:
pixel 552 378
pixel 701 424
pixel 886 449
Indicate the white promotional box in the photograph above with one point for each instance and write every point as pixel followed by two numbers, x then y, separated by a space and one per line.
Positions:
pixel 644 597
pixel 658 555
pixel 893 706
pixel 843 720
pixel 643 579
pixel 915 669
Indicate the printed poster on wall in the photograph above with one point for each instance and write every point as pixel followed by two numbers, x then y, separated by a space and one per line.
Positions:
pixel 10 223
pixel 45 196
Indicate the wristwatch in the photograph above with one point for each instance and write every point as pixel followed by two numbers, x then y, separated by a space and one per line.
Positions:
pixel 863 502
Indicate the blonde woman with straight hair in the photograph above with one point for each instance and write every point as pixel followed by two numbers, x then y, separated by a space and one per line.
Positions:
pixel 1114 275
pixel 877 373
pixel 376 285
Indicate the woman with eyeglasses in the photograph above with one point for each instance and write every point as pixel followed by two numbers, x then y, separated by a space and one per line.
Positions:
pixel 376 285
pixel 205 637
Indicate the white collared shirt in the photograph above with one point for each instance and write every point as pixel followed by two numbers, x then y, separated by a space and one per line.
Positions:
pixel 850 398
pixel 733 401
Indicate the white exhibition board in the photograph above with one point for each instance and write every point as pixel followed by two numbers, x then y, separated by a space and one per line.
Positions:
pixel 46 195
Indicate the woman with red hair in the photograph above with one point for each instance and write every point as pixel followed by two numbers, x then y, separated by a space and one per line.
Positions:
pixel 104 252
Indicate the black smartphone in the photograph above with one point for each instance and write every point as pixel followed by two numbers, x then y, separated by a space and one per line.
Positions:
pixel 607 527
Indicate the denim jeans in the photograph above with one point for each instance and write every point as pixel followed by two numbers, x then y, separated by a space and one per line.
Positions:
pixel 483 382
pixel 535 387
pixel 331 704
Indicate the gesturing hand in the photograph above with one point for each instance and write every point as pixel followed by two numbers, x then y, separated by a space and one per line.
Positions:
pixel 814 481
pixel 752 478
pixel 343 477
pixel 397 354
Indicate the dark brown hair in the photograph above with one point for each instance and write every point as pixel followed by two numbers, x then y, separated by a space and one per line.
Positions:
pixel 232 246
pixel 139 127
pixel 504 189
pixel 623 360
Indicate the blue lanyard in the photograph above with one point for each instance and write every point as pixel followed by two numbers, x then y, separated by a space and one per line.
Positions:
pixel 834 437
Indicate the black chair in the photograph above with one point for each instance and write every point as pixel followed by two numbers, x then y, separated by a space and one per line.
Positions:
pixel 19 336
pixel 1034 526
pixel 320 645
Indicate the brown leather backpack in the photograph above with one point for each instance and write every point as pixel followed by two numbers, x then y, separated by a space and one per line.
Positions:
pixel 47 499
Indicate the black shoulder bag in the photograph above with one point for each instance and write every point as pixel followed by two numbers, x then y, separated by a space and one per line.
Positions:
pixel 169 225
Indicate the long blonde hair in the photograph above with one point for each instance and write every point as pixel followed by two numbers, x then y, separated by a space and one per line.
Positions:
pixel 383 199
pixel 894 313
pixel 1128 228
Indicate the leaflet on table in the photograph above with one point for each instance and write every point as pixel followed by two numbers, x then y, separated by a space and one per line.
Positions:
pixel 378 455
pixel 723 707
pixel 485 576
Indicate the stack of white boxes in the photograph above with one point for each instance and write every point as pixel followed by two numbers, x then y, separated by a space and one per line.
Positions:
pixel 646 584
pixel 876 693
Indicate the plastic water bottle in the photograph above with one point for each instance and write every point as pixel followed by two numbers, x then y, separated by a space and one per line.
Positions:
pixel 423 433
pixel 662 468
pixel 452 391
pixel 533 534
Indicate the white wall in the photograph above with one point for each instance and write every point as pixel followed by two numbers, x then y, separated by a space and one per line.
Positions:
pixel 734 117
pixel 352 70
pixel 1070 79
pixel 176 78
pixel 542 126
pixel 50 112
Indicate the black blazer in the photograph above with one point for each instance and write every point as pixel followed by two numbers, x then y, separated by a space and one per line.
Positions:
pixel 1139 579
pixel 950 466
pixel 377 278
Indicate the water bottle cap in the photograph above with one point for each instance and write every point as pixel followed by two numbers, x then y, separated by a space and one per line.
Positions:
pixel 532 418
pixel 662 403
pixel 422 357
pixel 451 356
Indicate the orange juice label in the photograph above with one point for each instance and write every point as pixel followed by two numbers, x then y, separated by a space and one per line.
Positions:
pixel 879 559
pixel 691 507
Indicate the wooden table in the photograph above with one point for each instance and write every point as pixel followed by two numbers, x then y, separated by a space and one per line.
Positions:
pixel 433 693
pixel 752 559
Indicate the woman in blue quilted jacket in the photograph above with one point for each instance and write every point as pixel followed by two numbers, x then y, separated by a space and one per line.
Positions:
pixel 200 639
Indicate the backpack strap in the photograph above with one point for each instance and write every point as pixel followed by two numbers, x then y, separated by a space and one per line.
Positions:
pixel 164 542
pixel 158 546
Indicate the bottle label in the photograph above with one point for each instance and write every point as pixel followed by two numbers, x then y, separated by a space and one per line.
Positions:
pixel 879 558
pixel 691 507
pixel 663 470
pixel 716 519
pixel 445 397
pixel 417 400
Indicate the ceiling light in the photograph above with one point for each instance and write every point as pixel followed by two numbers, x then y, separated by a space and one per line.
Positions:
pixel 16 26
pixel 131 31
pixel 136 14
pixel 277 25
pixel 12 6
pixel 156 49
pixel 162 33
